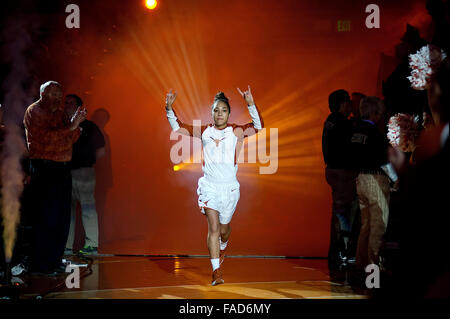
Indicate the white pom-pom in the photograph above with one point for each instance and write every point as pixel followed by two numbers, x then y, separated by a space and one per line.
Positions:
pixel 423 63
pixel 403 130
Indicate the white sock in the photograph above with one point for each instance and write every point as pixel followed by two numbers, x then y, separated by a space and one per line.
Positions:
pixel 223 245
pixel 215 263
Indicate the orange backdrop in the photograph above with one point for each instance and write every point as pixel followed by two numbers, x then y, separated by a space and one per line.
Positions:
pixel 291 53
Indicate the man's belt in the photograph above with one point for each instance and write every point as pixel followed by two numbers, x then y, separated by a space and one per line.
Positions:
pixel 38 161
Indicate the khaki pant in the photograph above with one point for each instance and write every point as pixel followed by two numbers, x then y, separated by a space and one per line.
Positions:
pixel 83 188
pixel 373 193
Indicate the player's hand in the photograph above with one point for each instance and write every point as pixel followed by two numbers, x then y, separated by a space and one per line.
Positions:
pixel 247 95
pixel 170 98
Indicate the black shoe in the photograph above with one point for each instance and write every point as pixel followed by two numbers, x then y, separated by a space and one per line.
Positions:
pixel 357 279
pixel 342 258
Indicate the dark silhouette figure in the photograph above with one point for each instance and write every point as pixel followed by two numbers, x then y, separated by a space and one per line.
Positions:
pixel 339 175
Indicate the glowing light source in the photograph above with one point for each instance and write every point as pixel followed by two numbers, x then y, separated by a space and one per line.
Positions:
pixel 300 160
pixel 151 4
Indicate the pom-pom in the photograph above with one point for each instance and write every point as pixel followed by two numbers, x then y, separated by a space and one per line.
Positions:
pixel 403 129
pixel 423 64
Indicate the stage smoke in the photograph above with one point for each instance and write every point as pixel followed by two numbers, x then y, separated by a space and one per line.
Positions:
pixel 17 40
pixel 12 177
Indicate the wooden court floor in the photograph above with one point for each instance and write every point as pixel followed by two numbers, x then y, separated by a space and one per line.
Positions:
pixel 133 277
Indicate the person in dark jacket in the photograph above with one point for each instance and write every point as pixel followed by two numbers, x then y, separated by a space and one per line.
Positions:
pixel 339 173
pixel 89 147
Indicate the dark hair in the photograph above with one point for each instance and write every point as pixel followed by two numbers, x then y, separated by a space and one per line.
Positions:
pixel 371 105
pixel 78 99
pixel 220 96
pixel 336 98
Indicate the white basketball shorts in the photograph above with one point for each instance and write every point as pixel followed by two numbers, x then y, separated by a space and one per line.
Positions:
pixel 222 197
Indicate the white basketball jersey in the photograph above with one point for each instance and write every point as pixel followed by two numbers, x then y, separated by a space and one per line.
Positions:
pixel 220 146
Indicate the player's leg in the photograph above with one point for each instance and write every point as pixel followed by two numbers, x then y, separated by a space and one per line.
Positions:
pixel 212 217
pixel 229 207
pixel 225 231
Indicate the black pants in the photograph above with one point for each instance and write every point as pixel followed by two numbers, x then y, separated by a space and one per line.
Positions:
pixel 345 204
pixel 51 191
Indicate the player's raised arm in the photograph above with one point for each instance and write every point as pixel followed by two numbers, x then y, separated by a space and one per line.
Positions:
pixel 174 121
pixel 257 121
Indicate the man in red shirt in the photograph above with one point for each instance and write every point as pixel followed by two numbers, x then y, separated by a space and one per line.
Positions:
pixel 50 135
